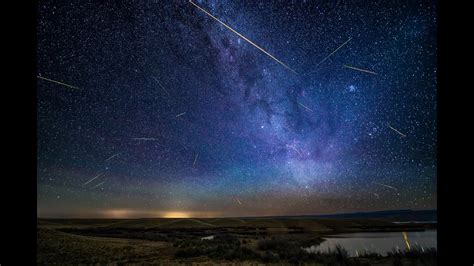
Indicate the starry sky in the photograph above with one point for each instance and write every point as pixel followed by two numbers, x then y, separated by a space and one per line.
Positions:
pixel 152 108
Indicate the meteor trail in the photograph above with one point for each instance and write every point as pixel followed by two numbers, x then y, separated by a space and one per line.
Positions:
pixel 360 69
pixel 58 82
pixel 98 185
pixel 403 135
pixel 240 203
pixel 243 37
pixel 178 115
pixel 93 178
pixel 294 148
pixel 305 106
pixel 112 156
pixel 145 139
pixel 380 184
pixel 161 86
pixel 405 237
pixel 195 159
pixel 334 51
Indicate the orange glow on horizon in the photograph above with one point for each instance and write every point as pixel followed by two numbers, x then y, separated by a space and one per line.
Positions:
pixel 175 214
pixel 120 213
pixel 131 214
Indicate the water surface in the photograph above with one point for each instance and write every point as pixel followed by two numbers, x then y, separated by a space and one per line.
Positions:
pixel 380 242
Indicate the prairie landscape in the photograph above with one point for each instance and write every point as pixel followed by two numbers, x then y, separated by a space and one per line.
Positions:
pixel 242 241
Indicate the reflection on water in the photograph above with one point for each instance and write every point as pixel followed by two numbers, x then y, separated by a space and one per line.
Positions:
pixel 379 242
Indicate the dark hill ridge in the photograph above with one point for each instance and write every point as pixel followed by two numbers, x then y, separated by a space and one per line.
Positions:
pixel 392 215
pixel 388 215
pixel 322 224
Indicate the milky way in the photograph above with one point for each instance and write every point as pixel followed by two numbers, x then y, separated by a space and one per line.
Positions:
pixel 177 114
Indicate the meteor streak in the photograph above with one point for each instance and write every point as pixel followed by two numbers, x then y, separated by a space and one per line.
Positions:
pixel 305 106
pixel 240 203
pixel 161 86
pixel 360 69
pixel 98 185
pixel 145 139
pixel 334 51
pixel 93 178
pixel 58 82
pixel 405 237
pixel 112 156
pixel 380 184
pixel 403 135
pixel 243 37
pixel 195 159
pixel 294 148
pixel 178 115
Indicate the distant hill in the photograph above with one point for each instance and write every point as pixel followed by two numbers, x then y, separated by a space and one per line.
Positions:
pixel 392 215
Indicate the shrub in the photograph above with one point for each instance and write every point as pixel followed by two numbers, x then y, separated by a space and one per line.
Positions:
pixel 220 247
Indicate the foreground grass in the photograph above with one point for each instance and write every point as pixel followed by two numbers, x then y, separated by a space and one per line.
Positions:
pixel 60 248
pixel 128 242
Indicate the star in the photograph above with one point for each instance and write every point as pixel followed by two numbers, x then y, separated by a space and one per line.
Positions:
pixel 192 104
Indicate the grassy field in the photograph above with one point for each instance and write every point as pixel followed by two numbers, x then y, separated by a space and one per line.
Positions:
pixel 246 241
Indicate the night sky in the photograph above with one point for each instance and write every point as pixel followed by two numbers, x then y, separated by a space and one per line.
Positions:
pixel 165 112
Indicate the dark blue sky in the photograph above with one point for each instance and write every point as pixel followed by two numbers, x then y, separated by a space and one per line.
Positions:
pixel 175 113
